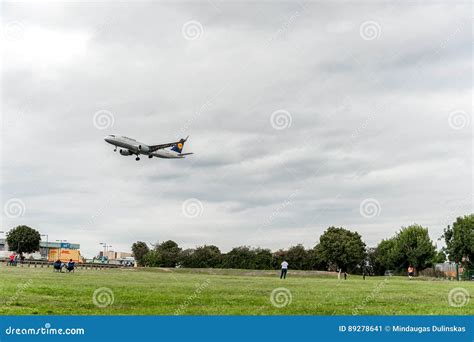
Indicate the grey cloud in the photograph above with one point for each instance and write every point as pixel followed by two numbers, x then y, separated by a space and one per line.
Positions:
pixel 369 119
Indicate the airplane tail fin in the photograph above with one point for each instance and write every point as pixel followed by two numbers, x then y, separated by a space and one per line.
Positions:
pixel 178 148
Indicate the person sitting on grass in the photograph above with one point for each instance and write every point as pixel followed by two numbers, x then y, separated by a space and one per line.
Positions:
pixel 58 266
pixel 70 266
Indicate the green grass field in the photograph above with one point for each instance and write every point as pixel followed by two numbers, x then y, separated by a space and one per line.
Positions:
pixel 40 291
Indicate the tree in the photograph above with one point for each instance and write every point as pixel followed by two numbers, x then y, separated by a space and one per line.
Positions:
pixel 386 256
pixel 201 257
pixel 186 258
pixel 342 248
pixel 414 247
pixel 460 240
pixel 169 252
pixel 439 258
pixel 373 265
pixel 263 259
pixel 240 257
pixel 278 258
pixel 152 259
pixel 23 239
pixel 139 250
pixel 296 257
pixel 314 259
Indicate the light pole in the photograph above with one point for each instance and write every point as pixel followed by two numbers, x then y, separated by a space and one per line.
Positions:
pixel 104 244
pixel 47 246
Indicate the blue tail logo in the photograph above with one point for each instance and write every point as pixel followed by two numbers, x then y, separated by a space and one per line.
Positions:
pixel 179 146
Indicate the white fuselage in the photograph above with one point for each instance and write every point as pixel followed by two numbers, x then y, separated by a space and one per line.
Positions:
pixel 132 147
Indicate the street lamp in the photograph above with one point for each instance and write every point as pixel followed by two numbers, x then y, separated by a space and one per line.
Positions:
pixel 47 245
pixel 105 245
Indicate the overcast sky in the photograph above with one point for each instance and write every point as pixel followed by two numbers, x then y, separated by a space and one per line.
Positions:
pixel 301 116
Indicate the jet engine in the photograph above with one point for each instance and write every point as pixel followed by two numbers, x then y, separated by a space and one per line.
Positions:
pixel 143 148
pixel 125 152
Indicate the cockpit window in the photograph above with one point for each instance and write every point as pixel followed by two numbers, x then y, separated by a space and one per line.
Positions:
pixel 113 136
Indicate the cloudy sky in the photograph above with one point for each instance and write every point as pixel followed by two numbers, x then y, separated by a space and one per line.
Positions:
pixel 302 115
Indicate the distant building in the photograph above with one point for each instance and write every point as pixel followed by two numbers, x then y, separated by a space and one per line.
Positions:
pixel 111 255
pixel 3 248
pixel 45 249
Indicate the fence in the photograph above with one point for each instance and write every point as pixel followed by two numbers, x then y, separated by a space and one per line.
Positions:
pixel 47 264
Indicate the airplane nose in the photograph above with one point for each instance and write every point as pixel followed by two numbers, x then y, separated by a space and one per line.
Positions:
pixel 107 139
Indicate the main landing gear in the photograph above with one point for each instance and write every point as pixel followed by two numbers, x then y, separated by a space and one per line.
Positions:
pixel 150 156
pixel 137 158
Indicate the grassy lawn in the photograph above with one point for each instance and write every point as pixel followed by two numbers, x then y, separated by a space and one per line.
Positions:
pixel 40 291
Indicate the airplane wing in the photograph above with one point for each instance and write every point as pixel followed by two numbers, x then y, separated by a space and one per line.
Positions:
pixel 162 146
pixel 153 148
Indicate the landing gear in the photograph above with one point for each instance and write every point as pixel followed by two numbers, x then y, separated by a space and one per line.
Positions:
pixel 137 158
pixel 115 149
pixel 150 156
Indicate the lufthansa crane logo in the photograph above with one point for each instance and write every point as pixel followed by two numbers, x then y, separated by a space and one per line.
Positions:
pixel 180 145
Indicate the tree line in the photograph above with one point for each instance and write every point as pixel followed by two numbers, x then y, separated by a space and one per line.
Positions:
pixel 338 249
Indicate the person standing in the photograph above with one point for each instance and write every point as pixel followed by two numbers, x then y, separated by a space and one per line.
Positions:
pixel 284 269
pixel 12 259
pixel 411 272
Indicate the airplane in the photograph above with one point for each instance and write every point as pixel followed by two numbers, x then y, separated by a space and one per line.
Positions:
pixel 132 147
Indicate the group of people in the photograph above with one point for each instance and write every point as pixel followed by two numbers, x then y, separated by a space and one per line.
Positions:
pixel 58 266
pixel 284 271
pixel 13 259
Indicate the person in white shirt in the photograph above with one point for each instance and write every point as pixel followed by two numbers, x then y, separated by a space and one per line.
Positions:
pixel 284 269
